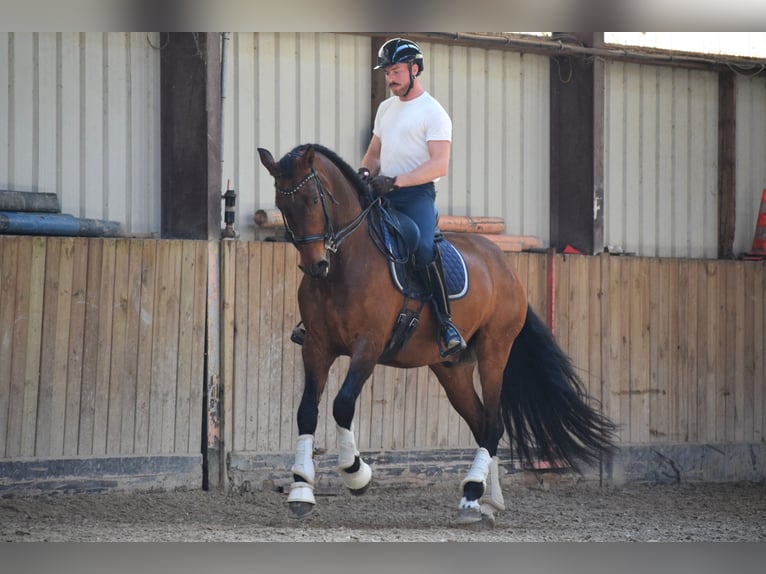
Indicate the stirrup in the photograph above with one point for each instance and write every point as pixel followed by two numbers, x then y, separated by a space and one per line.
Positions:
pixel 454 344
pixel 299 334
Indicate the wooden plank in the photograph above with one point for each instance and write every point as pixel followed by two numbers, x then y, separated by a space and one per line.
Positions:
pixel 689 378
pixel 276 332
pixel 618 346
pixel 230 424
pixel 639 352
pixel 64 303
pixel 34 342
pixel 44 409
pixel 9 252
pixel 659 374
pixel 759 375
pixel 23 270
pixel 708 349
pixel 266 289
pixel 724 352
pixel 737 304
pixel 410 405
pixel 674 294
pixel 90 348
pixel 685 317
pixel 75 345
pixel 198 345
pixel 748 352
pixel 421 407
pixel 117 347
pixel 157 392
pixel 397 404
pixel 290 351
pixel 594 333
pixel 103 360
pixel 560 295
pixel 169 357
pixel 184 414
pixel 129 387
pixel 378 383
pixel 577 324
pixel 144 367
pixel 237 352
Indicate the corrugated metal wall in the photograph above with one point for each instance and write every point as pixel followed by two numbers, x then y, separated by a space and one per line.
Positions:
pixel 79 117
pixel 285 89
pixel 499 103
pixel 661 165
pixel 751 157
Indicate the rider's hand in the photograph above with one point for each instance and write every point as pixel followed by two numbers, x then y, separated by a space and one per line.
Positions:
pixel 382 184
pixel 364 173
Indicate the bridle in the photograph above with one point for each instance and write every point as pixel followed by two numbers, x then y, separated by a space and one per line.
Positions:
pixel 332 239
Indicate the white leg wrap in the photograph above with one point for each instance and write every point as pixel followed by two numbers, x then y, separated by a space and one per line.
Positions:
pixel 304 458
pixel 346 447
pixel 493 493
pixel 479 469
pixel 347 452
pixel 301 492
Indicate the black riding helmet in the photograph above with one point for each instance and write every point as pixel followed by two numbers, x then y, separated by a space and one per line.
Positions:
pixel 400 51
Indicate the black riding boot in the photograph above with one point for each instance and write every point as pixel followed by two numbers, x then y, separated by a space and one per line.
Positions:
pixel 451 340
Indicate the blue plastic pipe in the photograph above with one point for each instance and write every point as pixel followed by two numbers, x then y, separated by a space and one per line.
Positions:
pixel 20 223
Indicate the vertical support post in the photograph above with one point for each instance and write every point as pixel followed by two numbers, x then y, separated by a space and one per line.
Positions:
pixel 190 80
pixel 577 148
pixel 727 168
pixel 214 471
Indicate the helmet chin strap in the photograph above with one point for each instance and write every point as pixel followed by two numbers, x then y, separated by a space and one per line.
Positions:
pixel 412 80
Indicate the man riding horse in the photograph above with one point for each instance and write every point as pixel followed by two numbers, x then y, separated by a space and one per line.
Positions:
pixel 408 152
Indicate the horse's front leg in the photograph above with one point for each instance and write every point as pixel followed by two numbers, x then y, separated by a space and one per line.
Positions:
pixel 355 472
pixel 301 499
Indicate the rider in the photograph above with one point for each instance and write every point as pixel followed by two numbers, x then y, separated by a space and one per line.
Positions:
pixel 408 152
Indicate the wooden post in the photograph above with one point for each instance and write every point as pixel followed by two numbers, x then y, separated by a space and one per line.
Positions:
pixel 577 148
pixel 190 70
pixel 727 138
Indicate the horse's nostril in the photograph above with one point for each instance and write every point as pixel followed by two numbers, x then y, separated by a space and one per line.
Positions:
pixel 322 267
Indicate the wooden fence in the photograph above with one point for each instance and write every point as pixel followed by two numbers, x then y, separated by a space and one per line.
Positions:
pixel 103 351
pixel 102 347
pixel 673 349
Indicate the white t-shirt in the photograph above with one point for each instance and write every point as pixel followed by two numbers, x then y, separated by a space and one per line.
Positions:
pixel 405 128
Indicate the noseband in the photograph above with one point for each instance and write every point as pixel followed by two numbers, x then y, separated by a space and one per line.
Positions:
pixel 331 238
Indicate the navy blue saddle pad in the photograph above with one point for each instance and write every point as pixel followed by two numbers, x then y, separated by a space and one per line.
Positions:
pixel 455 270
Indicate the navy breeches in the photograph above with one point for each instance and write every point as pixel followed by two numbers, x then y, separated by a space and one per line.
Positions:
pixel 418 203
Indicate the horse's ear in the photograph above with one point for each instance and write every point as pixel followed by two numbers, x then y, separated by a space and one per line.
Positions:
pixel 268 162
pixel 308 157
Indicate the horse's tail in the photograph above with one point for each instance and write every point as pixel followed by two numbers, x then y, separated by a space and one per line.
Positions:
pixel 544 404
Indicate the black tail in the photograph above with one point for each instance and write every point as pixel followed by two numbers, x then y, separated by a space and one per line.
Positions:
pixel 544 404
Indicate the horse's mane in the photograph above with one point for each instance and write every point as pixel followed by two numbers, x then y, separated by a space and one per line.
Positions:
pixel 286 167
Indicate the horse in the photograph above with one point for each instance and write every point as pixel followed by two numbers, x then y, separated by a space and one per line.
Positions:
pixel 348 304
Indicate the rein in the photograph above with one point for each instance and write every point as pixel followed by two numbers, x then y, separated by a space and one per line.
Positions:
pixel 332 239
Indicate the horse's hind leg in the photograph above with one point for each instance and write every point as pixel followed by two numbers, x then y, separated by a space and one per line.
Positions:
pixel 481 486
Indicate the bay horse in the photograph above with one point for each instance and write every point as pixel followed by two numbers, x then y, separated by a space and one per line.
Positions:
pixel 349 303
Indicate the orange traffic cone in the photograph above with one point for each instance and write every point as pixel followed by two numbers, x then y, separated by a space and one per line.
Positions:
pixel 759 239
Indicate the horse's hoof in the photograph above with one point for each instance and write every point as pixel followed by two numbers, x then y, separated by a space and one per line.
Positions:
pixel 301 509
pixel 487 521
pixel 360 491
pixel 468 516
